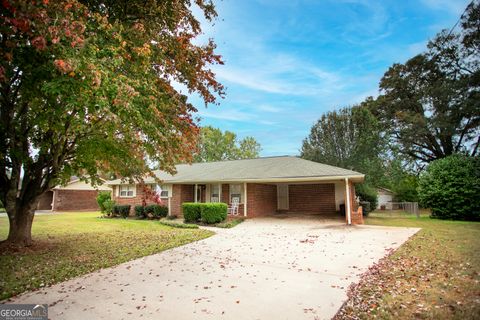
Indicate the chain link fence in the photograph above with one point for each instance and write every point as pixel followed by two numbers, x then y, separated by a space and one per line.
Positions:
pixel 399 207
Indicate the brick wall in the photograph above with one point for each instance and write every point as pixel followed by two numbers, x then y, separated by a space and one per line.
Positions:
pixel 181 193
pixel 45 201
pixel 133 201
pixel 74 200
pixel 356 211
pixel 261 199
pixel 312 198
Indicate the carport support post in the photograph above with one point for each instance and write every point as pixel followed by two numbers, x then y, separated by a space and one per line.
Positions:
pixel 245 201
pixel 347 202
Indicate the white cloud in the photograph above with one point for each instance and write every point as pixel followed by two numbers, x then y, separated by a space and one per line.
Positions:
pixel 225 113
pixel 282 75
pixel 269 108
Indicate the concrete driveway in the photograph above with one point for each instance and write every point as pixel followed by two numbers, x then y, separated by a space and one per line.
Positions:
pixel 265 268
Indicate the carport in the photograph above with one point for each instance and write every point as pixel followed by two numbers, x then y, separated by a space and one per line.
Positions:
pixel 260 187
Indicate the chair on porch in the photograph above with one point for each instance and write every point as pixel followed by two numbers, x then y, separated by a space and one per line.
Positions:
pixel 233 207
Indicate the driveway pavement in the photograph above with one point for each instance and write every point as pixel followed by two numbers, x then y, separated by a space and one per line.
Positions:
pixel 265 268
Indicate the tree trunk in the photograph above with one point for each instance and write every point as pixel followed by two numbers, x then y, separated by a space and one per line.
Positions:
pixel 20 232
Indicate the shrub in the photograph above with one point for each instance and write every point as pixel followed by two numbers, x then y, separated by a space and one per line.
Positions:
pixel 366 207
pixel 172 217
pixel 213 212
pixel 149 210
pixel 191 211
pixel 159 211
pixel 450 188
pixel 101 198
pixel 108 206
pixel 140 212
pixel 122 210
pixel 368 194
pixel 178 225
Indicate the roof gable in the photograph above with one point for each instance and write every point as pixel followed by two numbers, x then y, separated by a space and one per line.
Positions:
pixel 259 169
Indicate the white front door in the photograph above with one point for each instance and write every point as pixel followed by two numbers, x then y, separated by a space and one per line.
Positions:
pixel 282 197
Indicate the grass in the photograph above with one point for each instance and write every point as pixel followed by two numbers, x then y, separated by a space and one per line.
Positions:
pixel 72 244
pixel 435 275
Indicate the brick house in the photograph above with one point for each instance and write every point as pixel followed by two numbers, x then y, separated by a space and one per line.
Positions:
pixel 263 186
pixel 76 195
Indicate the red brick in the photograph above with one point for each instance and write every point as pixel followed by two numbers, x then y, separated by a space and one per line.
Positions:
pixel 75 200
pixel 261 199
pixel 312 198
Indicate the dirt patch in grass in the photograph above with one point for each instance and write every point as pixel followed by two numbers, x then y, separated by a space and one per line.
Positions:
pixel 435 275
pixel 73 244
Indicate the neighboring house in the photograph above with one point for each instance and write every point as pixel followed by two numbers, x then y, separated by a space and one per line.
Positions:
pixel 76 195
pixel 263 186
pixel 385 198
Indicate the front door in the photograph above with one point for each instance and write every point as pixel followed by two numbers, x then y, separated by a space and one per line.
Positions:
pixel 282 197
pixel 199 193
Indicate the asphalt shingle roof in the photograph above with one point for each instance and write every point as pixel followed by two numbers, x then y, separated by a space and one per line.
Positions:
pixel 261 169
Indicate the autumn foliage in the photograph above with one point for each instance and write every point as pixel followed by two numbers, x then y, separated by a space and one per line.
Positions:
pixel 89 86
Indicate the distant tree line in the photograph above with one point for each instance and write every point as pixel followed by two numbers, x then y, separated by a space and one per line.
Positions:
pixel 428 108
pixel 216 145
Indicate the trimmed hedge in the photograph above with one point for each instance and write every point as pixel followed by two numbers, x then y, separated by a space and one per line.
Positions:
pixel 210 212
pixel 149 209
pixel 191 211
pixel 213 212
pixel 122 210
pixel 140 212
pixel 157 211
pixel 160 211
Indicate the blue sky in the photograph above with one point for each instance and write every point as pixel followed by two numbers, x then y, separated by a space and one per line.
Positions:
pixel 287 62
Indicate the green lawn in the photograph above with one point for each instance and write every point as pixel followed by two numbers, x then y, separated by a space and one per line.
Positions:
pixel 71 244
pixel 435 275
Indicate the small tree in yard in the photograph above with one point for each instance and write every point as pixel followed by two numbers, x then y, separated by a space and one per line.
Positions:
pixel 86 87
pixel 450 187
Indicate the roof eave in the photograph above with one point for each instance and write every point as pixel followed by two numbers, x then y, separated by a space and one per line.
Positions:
pixel 354 178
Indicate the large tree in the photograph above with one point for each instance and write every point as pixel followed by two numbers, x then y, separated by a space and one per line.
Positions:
pixel 349 138
pixel 431 104
pixel 215 145
pixel 88 87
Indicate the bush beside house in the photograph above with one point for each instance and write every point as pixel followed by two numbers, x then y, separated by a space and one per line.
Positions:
pixel 367 194
pixel 213 212
pixel 450 187
pixel 122 210
pixel 101 198
pixel 191 211
pixel 209 213
pixel 154 210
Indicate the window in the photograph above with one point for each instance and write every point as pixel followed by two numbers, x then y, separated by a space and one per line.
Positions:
pixel 163 190
pixel 215 193
pixel 236 192
pixel 127 191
